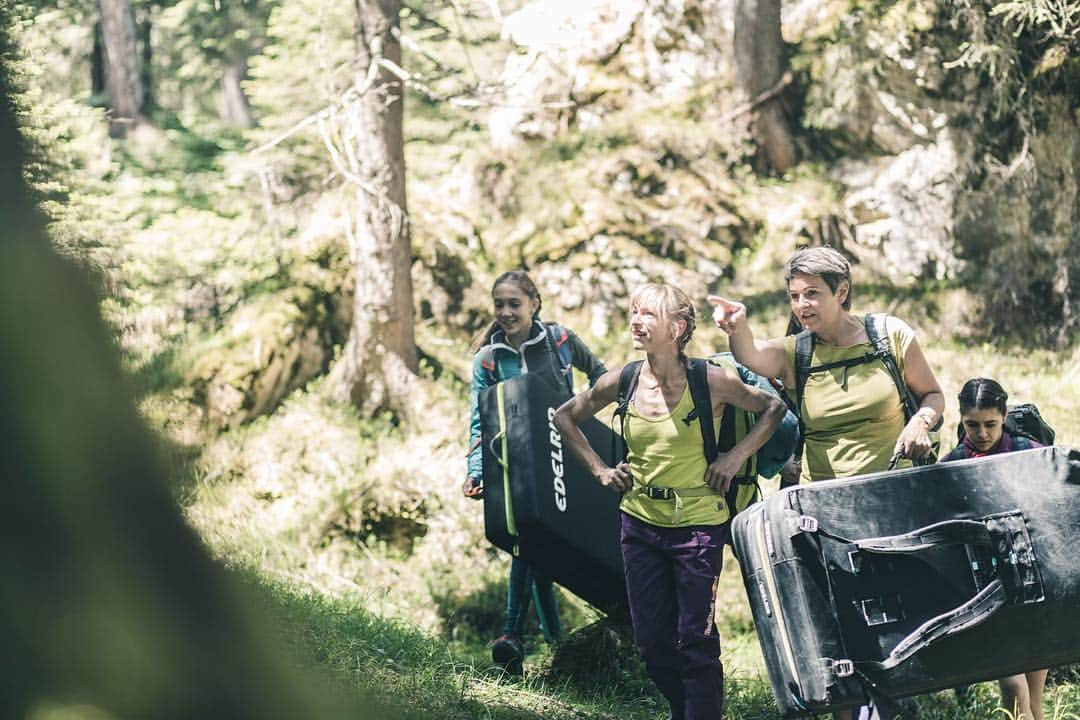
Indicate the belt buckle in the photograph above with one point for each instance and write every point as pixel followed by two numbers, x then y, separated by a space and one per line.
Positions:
pixel 656 493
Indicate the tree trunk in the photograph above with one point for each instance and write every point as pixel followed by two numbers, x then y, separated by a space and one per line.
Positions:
pixel 121 66
pixel 235 108
pixel 759 65
pixel 146 61
pixel 97 66
pixel 380 359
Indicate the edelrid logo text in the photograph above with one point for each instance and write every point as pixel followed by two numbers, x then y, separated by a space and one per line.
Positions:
pixel 557 470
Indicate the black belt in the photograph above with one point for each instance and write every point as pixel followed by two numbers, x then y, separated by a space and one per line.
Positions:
pixel 666 493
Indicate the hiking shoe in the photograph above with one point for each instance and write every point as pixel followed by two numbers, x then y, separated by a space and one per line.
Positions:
pixel 508 653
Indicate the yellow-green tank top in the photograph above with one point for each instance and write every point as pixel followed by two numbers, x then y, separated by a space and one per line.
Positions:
pixel 853 417
pixel 666 452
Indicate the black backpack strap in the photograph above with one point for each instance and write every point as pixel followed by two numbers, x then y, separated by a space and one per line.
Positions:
pixel 878 335
pixel 628 380
pixel 849 362
pixel 697 376
pixel 560 353
pixel 804 354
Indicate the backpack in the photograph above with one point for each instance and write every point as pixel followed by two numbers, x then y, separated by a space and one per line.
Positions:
pixel 878 336
pixel 557 337
pixel 1024 421
pixel 734 425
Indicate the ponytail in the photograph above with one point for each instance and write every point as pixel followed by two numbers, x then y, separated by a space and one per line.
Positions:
pixel 983 394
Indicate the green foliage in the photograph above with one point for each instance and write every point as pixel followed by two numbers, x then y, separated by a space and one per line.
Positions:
pixel 195 41
pixel 1048 20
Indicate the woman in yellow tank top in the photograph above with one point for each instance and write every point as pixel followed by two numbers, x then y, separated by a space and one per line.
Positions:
pixel 853 417
pixel 674 519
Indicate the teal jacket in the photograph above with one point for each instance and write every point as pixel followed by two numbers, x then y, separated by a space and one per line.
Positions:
pixel 499 361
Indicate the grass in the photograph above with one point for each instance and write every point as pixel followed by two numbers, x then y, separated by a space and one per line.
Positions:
pixel 417 674
pixel 420 675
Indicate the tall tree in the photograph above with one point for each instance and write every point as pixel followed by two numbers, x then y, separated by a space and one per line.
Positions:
pixel 235 108
pixel 759 69
pixel 215 39
pixel 97 66
pixel 122 77
pixel 144 26
pixel 380 361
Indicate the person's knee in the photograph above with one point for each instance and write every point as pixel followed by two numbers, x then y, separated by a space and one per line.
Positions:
pixel 698 653
pixel 1013 686
pixel 658 651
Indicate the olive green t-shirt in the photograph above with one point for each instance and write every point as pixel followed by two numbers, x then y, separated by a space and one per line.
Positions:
pixel 666 452
pixel 853 416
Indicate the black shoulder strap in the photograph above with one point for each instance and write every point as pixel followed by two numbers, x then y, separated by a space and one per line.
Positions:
pixel 628 380
pixel 560 355
pixel 804 354
pixel 878 335
pixel 697 376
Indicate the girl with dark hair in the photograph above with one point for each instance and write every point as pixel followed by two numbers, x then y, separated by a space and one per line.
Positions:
pixel 983 406
pixel 517 342
pixel 674 518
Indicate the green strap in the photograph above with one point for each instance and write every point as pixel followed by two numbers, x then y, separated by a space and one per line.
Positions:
pixel 702 491
pixel 678 494
pixel 508 500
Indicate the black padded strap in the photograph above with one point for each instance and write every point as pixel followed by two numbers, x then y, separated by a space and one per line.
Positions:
pixel 697 376
pixel 628 380
pixel 974 612
pixel 804 354
pixel 949 532
pixel 878 335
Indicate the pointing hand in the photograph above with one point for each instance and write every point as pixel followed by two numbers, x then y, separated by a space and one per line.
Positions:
pixel 727 314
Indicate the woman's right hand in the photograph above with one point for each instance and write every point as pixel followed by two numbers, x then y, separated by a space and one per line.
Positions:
pixel 473 488
pixel 617 478
pixel 727 314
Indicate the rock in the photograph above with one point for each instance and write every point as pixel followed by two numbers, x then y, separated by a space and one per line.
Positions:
pixel 903 206
pixel 575 54
pixel 271 346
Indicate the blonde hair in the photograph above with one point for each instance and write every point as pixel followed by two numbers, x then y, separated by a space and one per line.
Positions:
pixel 670 305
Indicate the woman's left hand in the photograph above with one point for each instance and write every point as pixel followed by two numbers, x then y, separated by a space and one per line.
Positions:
pixel 722 471
pixel 915 441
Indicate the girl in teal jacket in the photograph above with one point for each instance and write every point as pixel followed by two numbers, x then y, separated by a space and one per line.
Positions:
pixel 517 342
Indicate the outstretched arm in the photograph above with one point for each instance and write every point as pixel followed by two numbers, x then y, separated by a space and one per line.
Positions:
pixel 578 409
pixel 764 357
pixel 726 387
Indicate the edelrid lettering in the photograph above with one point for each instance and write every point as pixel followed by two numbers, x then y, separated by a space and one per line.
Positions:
pixel 557 468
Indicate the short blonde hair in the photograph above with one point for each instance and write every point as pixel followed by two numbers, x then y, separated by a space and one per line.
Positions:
pixel 670 305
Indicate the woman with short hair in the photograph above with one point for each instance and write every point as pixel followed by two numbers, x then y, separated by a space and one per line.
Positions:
pixel 853 415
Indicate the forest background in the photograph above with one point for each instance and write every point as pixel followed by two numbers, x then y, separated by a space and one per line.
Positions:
pixel 292 212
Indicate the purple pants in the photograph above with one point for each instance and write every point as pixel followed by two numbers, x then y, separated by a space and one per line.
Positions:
pixel 671 576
